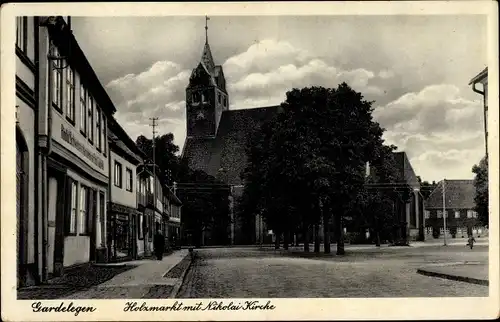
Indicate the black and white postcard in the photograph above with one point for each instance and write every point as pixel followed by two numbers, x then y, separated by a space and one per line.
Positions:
pixel 249 161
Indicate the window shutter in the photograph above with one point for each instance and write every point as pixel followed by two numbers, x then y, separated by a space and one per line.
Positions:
pixel 67 205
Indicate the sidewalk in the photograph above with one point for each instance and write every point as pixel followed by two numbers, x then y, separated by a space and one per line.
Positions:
pixel 147 278
pixel 465 272
pixel 150 279
pixel 450 242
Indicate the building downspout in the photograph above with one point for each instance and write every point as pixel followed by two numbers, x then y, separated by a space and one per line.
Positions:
pixel 45 184
pixel 108 215
pixel 476 90
pixel 36 149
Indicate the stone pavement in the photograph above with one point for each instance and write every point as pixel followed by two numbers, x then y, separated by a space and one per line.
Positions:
pixel 150 279
pixel 475 273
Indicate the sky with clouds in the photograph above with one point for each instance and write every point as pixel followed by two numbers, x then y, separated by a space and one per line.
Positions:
pixel 415 68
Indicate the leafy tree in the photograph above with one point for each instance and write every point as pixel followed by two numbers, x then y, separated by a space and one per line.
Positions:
pixel 308 163
pixel 165 154
pixel 481 185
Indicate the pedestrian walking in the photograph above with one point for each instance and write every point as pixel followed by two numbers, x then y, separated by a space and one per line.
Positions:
pixel 471 241
pixel 159 244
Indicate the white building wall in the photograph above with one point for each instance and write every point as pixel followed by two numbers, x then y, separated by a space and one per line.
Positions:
pixel 121 195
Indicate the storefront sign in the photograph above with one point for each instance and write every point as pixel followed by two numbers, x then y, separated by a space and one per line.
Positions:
pixel 68 136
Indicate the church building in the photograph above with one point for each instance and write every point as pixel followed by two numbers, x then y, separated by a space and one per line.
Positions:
pixel 217 134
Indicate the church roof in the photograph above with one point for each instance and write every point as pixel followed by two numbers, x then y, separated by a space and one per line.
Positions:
pixel 405 173
pixel 207 59
pixel 224 156
pixel 459 194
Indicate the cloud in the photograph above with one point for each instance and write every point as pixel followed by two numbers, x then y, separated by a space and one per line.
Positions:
pixel 437 124
pixel 438 128
pixel 157 92
pixel 269 68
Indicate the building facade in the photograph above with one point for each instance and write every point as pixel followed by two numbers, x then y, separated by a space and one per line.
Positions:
pixel 78 194
pixel 172 209
pixel 150 203
pixel 74 110
pixel 28 240
pixel 123 219
pixel 458 210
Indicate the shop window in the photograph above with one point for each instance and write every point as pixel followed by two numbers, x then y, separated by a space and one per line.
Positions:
pixel 73 216
pixel 70 93
pixel 84 210
pixel 22 33
pixel 102 212
pixel 128 178
pixel 140 226
pixel 118 174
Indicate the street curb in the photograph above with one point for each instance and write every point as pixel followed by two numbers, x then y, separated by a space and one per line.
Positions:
pixel 178 285
pixel 459 278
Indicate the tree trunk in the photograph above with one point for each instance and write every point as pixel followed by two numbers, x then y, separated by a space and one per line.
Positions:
pixel 340 235
pixel 378 238
pixel 286 239
pixel 306 238
pixel 326 233
pixel 316 238
pixel 277 240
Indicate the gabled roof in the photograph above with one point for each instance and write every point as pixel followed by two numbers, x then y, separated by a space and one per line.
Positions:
pixel 224 156
pixel 406 173
pixel 459 194
pixel 479 77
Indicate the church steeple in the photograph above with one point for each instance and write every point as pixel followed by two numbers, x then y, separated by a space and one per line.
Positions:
pixel 206 95
pixel 206 57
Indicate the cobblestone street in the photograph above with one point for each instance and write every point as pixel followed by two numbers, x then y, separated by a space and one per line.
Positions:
pixel 363 272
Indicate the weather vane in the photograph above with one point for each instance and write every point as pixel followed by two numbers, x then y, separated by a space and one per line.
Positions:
pixel 206 28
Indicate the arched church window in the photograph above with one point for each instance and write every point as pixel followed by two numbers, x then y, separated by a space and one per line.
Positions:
pixel 196 97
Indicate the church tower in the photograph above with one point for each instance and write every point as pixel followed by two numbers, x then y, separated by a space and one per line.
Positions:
pixel 206 95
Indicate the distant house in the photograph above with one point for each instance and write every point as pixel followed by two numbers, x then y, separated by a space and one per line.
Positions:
pixel 461 218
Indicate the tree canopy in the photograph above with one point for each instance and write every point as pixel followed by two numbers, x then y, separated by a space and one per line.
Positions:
pixel 481 193
pixel 308 163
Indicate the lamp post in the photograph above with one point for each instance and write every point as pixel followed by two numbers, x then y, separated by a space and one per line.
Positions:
pixel 444 210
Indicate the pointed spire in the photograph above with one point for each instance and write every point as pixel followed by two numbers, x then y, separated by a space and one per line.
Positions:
pixel 206 29
pixel 206 57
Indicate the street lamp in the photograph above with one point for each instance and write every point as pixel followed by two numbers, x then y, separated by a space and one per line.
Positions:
pixel 444 211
